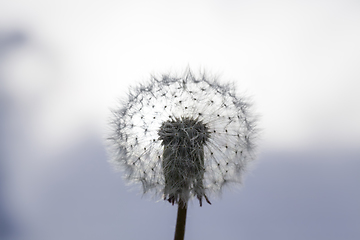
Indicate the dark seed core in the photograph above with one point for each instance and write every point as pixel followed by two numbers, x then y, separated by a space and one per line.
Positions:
pixel 183 158
pixel 184 131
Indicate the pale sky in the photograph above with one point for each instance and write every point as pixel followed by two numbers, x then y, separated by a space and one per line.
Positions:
pixel 298 60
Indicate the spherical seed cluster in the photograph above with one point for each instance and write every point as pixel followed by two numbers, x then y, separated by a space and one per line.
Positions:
pixel 183 136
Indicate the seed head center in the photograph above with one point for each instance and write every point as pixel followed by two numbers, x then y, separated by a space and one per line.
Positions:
pixel 186 132
pixel 183 157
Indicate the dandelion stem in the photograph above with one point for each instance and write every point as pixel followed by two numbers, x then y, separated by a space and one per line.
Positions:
pixel 180 221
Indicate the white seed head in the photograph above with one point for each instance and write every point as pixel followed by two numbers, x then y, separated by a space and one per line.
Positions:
pixel 183 136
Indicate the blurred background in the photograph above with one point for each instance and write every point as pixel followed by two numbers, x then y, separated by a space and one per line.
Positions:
pixel 65 64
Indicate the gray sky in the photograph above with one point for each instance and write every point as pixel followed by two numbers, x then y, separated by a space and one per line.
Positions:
pixel 298 60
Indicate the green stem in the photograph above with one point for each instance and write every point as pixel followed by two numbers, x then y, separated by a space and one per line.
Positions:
pixel 181 221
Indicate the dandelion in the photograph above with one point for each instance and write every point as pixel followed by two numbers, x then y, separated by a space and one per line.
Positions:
pixel 183 137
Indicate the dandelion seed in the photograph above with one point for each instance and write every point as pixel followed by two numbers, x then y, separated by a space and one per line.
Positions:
pixel 184 133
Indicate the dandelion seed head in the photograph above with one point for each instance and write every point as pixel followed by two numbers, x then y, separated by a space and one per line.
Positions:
pixel 183 137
